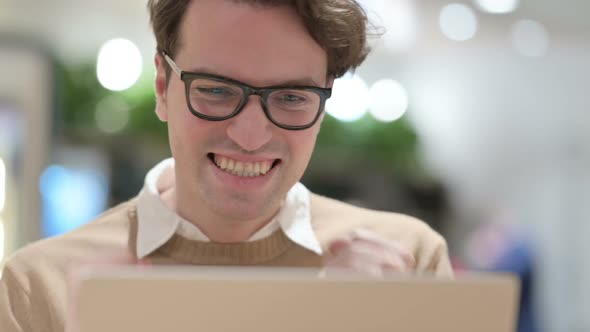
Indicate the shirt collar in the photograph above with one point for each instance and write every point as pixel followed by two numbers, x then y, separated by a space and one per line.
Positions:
pixel 157 223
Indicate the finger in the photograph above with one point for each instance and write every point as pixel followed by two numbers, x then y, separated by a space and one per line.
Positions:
pixel 369 237
pixel 409 259
pixel 368 269
pixel 399 252
pixel 366 257
pixel 357 235
pixel 339 244
pixel 388 259
pixel 343 254
pixel 340 264
pixel 395 263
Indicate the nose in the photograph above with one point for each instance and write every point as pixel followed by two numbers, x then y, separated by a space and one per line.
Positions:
pixel 250 129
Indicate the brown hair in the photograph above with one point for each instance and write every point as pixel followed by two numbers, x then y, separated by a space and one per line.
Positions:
pixel 339 26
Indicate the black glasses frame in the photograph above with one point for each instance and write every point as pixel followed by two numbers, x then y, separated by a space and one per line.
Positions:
pixel 263 93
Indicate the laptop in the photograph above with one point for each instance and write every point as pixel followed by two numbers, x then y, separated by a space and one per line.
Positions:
pixel 224 299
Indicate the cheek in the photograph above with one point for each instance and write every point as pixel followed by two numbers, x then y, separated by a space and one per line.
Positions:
pixel 183 124
pixel 301 144
pixel 187 133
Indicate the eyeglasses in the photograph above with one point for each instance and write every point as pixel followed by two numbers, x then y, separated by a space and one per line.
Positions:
pixel 217 98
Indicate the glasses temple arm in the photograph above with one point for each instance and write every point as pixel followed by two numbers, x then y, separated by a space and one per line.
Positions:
pixel 173 65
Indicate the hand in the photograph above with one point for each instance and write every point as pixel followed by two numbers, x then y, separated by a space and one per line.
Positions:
pixel 367 252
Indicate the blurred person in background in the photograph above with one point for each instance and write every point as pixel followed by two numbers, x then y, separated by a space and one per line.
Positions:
pixel 242 86
pixel 501 245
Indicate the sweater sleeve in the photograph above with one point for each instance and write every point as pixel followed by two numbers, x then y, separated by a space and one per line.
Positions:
pixel 441 263
pixel 15 306
pixel 432 255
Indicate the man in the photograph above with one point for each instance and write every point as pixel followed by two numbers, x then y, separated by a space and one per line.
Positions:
pixel 242 86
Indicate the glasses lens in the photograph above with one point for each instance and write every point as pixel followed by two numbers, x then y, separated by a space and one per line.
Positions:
pixel 214 98
pixel 294 107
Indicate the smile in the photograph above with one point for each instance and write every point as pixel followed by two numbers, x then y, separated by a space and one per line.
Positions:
pixel 243 169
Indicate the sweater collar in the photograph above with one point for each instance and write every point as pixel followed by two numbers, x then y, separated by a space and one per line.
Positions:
pixel 157 224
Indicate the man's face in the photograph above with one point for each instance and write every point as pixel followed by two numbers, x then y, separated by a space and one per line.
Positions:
pixel 260 46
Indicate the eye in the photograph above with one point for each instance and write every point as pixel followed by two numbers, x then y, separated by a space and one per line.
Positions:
pixel 215 91
pixel 289 98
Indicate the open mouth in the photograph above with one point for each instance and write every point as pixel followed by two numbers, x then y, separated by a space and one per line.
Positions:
pixel 243 169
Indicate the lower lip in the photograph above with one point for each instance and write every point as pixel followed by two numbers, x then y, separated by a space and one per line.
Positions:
pixel 242 182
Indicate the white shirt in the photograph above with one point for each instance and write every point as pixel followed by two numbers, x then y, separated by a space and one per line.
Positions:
pixel 157 223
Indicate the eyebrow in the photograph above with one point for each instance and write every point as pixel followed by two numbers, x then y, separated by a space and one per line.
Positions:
pixel 304 81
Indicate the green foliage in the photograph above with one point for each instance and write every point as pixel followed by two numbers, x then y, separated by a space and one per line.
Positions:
pixel 81 93
pixel 387 147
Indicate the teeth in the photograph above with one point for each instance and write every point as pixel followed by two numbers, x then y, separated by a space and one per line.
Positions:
pixel 242 169
pixel 248 169
pixel 239 168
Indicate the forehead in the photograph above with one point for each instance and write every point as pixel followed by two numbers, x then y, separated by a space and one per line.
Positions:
pixel 260 45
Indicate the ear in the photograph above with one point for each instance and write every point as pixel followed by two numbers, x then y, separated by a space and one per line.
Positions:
pixel 161 88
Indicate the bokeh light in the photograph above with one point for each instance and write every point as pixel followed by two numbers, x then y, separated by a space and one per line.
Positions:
pixel 350 98
pixel 58 185
pixel 497 6
pixel 530 38
pixel 458 22
pixel 389 100
pixel 398 20
pixel 119 64
pixel 112 114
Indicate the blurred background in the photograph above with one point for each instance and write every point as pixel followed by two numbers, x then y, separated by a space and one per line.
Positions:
pixel 473 116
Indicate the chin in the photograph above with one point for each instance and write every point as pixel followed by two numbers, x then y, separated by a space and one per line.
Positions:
pixel 239 211
pixel 242 203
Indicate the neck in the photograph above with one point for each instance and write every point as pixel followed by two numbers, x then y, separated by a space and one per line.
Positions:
pixel 217 228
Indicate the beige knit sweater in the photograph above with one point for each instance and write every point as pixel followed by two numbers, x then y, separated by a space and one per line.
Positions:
pixel 33 286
